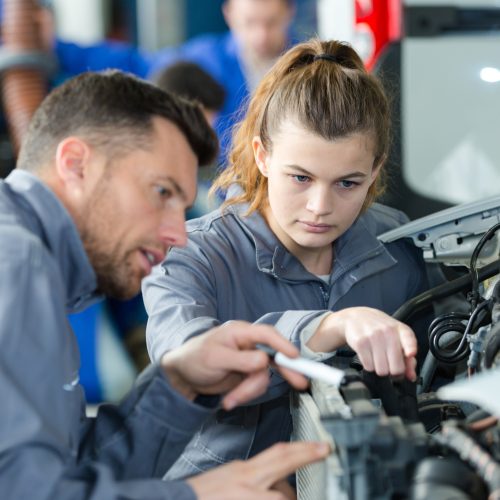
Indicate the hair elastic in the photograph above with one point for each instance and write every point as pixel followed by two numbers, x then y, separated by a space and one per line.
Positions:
pixel 326 57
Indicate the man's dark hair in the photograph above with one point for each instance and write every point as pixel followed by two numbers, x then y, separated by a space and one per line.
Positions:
pixel 189 80
pixel 114 111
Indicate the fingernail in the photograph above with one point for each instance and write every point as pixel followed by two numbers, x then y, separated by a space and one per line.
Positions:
pixel 323 448
pixel 229 404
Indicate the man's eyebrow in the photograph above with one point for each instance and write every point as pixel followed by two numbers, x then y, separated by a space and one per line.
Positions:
pixel 178 190
pixel 309 174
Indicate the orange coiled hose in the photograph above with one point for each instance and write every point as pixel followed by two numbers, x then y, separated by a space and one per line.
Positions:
pixel 23 87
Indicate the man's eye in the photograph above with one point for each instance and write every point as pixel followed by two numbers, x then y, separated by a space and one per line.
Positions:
pixel 301 179
pixel 163 191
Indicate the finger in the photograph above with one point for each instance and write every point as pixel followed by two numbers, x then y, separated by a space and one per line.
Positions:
pixel 226 358
pixel 282 459
pixel 294 379
pixel 269 495
pixel 411 369
pixel 286 490
pixel 247 336
pixel 364 353
pixel 408 340
pixel 395 355
pixel 228 383
pixel 378 344
pixel 251 387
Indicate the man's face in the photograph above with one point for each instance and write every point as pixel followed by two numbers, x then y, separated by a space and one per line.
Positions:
pixel 136 208
pixel 259 25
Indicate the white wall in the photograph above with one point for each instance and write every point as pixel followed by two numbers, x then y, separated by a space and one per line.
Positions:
pixel 336 19
pixel 160 23
pixel 81 21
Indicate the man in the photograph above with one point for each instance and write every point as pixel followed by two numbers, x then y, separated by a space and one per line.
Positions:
pixel 31 49
pixel 105 173
pixel 258 33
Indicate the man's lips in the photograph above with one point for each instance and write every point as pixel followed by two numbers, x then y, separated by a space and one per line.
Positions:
pixel 154 256
pixel 150 257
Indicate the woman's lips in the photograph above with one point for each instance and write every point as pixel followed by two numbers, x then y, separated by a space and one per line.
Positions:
pixel 315 228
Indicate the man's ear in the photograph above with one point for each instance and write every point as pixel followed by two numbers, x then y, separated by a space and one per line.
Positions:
pixel 226 12
pixel 72 161
pixel 260 155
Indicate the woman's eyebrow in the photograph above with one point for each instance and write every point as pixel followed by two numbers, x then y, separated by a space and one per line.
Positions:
pixel 299 169
pixel 355 174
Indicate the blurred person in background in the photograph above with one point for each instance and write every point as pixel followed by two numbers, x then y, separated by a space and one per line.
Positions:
pixel 188 80
pixel 258 34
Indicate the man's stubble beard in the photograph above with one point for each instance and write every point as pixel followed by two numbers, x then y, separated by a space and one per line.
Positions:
pixel 113 272
pixel 110 262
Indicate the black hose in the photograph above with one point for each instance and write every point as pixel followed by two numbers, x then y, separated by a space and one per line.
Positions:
pixel 446 323
pixel 426 298
pixel 454 322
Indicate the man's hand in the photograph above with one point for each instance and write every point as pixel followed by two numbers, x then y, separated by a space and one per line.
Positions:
pixel 261 476
pixel 383 344
pixel 224 360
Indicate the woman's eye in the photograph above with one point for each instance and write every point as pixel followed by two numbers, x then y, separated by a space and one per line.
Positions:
pixel 347 184
pixel 301 178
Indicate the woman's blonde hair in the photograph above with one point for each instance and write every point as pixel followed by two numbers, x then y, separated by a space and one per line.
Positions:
pixel 322 85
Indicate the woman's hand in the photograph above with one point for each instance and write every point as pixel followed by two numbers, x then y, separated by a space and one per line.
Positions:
pixel 383 344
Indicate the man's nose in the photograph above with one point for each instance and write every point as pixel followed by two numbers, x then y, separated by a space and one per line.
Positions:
pixel 173 229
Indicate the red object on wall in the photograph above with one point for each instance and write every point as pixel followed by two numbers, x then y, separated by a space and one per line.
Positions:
pixel 378 22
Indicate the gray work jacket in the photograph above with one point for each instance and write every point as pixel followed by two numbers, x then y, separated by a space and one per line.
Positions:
pixel 48 449
pixel 233 267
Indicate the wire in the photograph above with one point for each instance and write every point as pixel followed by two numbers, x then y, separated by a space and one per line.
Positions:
pixel 483 424
pixel 454 322
pixel 473 263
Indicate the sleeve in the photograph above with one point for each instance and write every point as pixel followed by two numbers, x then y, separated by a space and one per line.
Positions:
pixel 75 59
pixel 153 415
pixel 182 297
pixel 46 450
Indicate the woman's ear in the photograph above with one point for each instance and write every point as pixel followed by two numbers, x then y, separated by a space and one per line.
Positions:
pixel 260 155
pixel 376 171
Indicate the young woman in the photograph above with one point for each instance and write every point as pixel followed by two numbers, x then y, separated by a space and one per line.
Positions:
pixel 295 244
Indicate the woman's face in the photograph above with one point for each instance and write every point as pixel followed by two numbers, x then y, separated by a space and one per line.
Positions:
pixel 316 187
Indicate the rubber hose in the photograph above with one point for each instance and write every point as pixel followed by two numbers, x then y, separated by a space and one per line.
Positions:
pixel 23 89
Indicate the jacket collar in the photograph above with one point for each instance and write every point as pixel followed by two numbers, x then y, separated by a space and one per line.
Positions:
pixel 45 215
pixel 357 245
